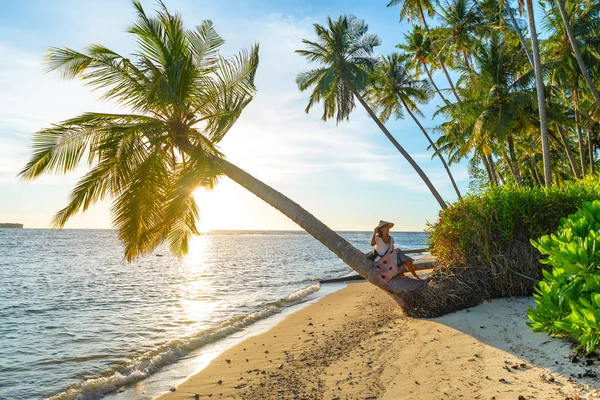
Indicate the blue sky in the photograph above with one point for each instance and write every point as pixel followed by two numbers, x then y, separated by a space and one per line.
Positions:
pixel 347 175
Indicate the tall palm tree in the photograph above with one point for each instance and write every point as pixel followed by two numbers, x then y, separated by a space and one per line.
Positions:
pixel 416 10
pixel 184 97
pixel 565 73
pixel 457 35
pixel 393 90
pixel 418 45
pixel 344 50
pixel 539 83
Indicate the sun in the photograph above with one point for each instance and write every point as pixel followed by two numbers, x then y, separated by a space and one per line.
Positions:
pixel 203 200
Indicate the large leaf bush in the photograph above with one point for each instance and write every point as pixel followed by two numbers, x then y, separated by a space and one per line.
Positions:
pixel 568 298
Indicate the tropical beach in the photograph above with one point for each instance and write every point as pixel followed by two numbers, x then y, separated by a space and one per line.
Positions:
pixel 301 200
pixel 357 344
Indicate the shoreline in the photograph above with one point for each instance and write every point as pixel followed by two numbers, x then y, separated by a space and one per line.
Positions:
pixel 356 343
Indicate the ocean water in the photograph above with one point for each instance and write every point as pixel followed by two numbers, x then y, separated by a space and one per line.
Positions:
pixel 78 322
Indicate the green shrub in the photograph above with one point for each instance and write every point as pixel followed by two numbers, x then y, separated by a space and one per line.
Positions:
pixel 487 236
pixel 568 299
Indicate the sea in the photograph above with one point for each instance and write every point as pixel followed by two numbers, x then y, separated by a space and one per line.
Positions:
pixel 79 322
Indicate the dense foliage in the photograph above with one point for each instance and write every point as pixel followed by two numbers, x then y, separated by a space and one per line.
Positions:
pixel 477 56
pixel 491 232
pixel 568 299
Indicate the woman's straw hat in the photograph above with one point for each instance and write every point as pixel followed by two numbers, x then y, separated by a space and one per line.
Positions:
pixel 383 223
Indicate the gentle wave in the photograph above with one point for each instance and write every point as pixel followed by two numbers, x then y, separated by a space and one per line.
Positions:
pixel 152 361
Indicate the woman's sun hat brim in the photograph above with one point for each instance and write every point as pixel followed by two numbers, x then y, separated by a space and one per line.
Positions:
pixel 383 223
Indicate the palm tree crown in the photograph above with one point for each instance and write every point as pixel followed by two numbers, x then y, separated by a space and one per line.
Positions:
pixel 181 93
pixel 414 9
pixel 345 50
pixel 393 87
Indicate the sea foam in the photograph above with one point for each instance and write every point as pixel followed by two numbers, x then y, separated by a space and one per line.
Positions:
pixel 168 353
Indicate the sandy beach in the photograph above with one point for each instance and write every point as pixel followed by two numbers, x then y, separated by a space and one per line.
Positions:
pixel 357 344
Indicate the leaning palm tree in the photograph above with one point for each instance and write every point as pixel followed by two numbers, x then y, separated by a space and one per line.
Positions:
pixel 182 97
pixel 419 46
pixel 393 90
pixel 344 49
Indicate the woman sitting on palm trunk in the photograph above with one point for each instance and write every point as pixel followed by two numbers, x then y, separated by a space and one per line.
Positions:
pixel 383 243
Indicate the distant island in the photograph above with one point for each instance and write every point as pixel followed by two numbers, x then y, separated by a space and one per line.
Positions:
pixel 9 225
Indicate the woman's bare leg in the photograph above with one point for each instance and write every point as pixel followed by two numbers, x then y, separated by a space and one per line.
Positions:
pixel 409 264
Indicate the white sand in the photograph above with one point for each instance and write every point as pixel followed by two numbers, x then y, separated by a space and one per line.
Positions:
pixel 357 344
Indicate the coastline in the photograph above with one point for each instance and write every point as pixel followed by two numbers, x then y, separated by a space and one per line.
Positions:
pixel 356 343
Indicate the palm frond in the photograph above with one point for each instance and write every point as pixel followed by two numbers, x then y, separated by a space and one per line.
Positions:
pixel 204 44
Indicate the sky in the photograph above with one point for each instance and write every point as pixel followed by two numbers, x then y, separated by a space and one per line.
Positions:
pixel 348 174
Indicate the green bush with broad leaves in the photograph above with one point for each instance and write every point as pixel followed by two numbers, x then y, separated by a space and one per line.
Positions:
pixel 568 298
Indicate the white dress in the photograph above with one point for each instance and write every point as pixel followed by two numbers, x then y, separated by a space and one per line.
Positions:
pixel 381 247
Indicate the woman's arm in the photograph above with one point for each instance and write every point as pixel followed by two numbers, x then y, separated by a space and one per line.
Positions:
pixel 373 237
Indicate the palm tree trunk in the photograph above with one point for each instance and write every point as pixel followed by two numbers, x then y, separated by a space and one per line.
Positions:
pixel 433 83
pixel 468 65
pixel 501 178
pixel 582 155
pixel 448 78
pixel 577 53
pixel 513 160
pixel 417 298
pixel 534 172
pixel 511 167
pixel 518 30
pixel 486 164
pixel 572 163
pixel 435 149
pixel 590 146
pixel 403 152
pixel 492 168
pixel 539 80
pixel 349 254
pixel 487 168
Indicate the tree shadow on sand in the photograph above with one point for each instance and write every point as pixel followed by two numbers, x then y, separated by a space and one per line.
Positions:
pixel 501 324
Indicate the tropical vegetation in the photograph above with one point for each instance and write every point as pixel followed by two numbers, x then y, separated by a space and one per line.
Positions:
pixel 568 298
pixel 524 109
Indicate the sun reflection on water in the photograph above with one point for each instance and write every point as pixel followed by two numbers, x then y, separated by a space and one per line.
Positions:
pixel 198 290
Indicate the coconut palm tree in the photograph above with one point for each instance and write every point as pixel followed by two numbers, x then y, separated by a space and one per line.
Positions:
pixel 566 76
pixel 496 109
pixel 539 83
pixel 418 45
pixel 393 90
pixel 416 10
pixel 566 69
pixel 344 50
pixel 181 97
pixel 457 35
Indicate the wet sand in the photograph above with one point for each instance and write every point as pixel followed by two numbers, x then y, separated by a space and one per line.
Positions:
pixel 357 344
